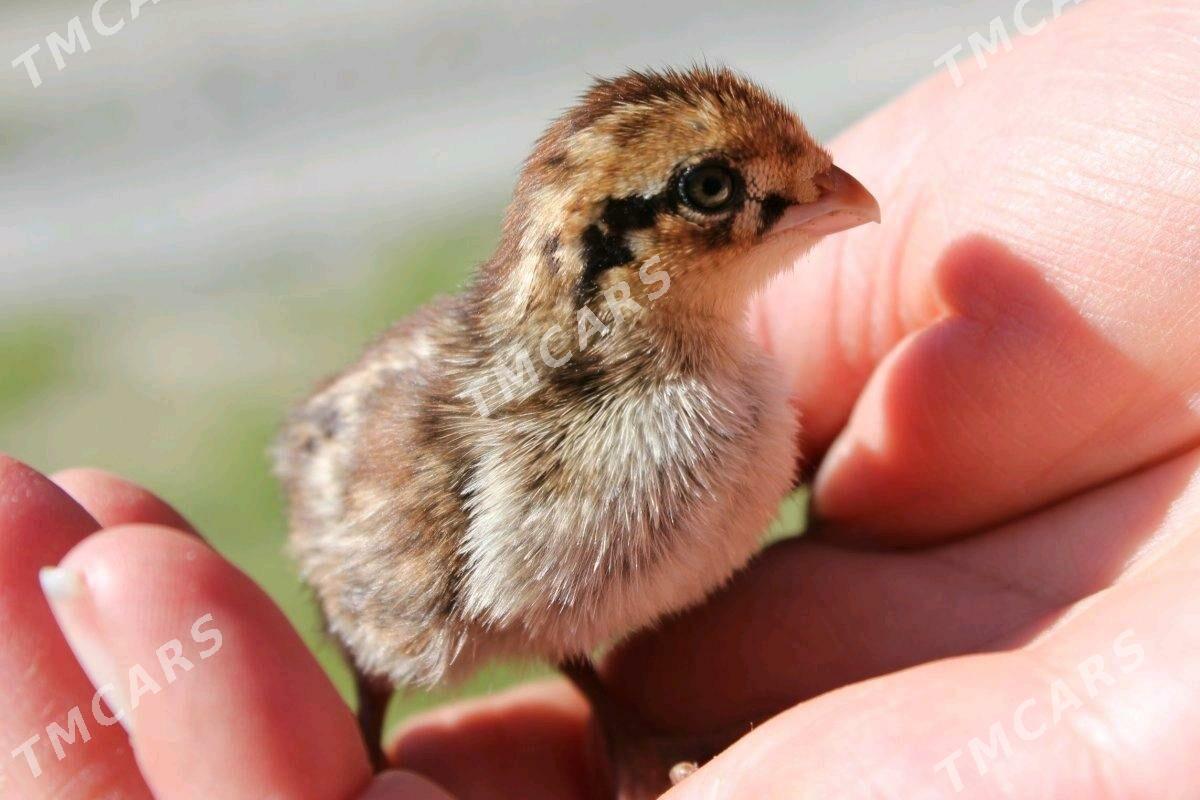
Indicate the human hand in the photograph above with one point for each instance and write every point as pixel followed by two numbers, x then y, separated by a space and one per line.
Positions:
pixel 999 392
pixel 1001 395
pixel 220 696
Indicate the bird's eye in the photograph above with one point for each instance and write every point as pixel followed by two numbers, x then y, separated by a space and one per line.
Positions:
pixel 708 187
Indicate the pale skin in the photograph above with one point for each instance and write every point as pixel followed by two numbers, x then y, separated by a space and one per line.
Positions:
pixel 999 390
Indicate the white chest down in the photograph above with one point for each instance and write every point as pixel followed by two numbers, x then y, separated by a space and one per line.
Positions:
pixel 639 509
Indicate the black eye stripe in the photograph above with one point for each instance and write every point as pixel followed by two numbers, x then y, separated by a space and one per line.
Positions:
pixel 602 250
pixel 606 244
pixel 771 208
pixel 630 213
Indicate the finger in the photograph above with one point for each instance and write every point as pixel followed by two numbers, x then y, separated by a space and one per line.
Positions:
pixel 527 742
pixel 113 501
pixel 395 785
pixel 1107 708
pixel 221 696
pixel 1031 293
pixel 809 617
pixel 44 749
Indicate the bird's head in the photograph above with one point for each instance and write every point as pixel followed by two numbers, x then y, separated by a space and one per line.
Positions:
pixel 699 174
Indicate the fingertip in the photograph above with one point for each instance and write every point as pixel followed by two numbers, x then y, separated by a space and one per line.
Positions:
pixel 113 500
pixel 7 462
pixel 530 736
pixel 39 522
pixel 39 525
pixel 204 642
pixel 24 490
pixel 397 785
pixel 135 566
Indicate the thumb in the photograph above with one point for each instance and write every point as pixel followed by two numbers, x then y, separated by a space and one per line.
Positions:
pixel 1103 708
pixel 1022 326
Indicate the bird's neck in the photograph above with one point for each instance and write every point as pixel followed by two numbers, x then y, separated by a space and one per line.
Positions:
pixel 528 314
pixel 603 343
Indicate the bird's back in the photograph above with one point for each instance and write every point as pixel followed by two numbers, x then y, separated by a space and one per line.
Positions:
pixel 372 508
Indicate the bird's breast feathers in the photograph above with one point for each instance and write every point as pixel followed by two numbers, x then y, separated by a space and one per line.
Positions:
pixel 588 524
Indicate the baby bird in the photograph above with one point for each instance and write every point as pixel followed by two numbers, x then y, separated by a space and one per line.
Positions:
pixel 586 438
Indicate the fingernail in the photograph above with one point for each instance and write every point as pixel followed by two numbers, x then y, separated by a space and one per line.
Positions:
pixel 60 585
pixel 71 602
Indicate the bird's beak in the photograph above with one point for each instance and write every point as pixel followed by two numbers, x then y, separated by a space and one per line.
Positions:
pixel 844 203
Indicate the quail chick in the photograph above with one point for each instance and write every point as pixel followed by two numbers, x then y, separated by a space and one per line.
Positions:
pixel 585 438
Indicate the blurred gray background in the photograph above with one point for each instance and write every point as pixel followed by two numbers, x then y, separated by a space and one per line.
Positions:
pixel 217 204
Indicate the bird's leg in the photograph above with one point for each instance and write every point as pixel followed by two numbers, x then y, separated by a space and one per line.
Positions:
pixel 373 696
pixel 642 763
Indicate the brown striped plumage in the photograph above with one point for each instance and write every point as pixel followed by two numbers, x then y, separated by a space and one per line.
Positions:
pixel 445 512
